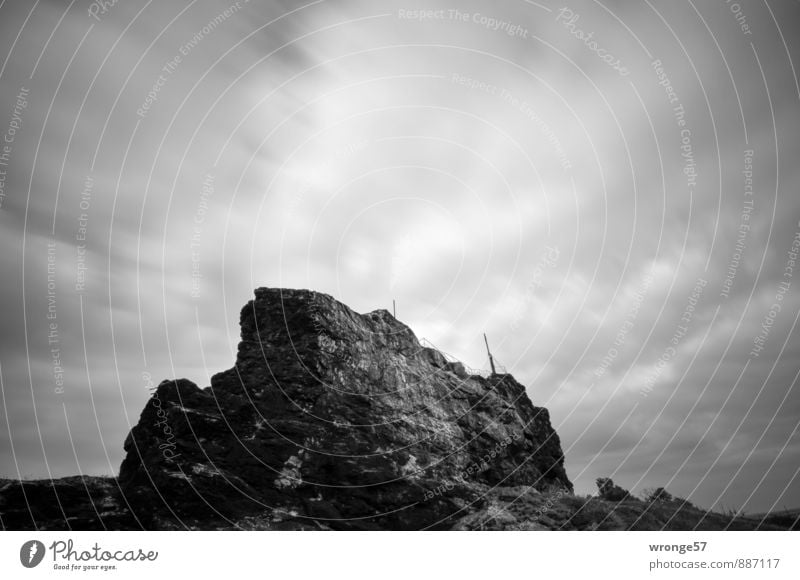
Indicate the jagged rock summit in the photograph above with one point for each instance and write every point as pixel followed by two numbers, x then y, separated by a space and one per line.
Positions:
pixel 331 419
pixel 340 419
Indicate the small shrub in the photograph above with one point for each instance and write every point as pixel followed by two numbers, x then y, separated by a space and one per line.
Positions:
pixel 609 491
pixel 658 495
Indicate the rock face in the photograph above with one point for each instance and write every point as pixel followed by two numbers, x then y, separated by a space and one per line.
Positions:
pixel 333 419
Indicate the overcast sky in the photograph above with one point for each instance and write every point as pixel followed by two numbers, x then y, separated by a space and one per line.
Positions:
pixel 609 191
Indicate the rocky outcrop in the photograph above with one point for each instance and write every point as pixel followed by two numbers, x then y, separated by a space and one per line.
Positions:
pixel 334 419
pixel 329 419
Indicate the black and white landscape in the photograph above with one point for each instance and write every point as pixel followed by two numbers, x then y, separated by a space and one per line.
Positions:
pixel 358 265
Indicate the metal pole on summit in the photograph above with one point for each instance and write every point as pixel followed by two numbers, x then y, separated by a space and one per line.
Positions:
pixel 491 360
pixel 394 309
